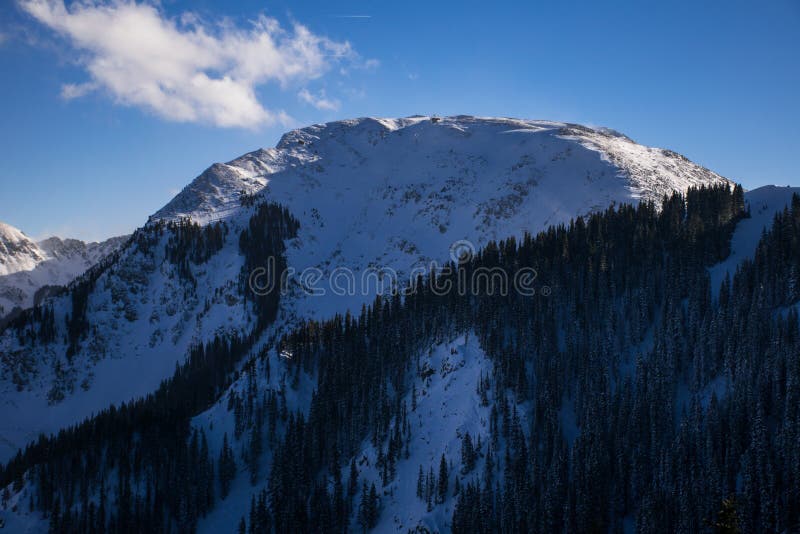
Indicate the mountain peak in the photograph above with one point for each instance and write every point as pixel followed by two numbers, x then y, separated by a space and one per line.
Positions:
pixel 27 265
pixel 17 251
pixel 11 234
pixel 490 148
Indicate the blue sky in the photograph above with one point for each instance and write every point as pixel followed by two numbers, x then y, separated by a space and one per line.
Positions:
pixel 88 151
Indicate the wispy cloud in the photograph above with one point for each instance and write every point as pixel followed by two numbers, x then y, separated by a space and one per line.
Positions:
pixel 183 69
pixel 76 90
pixel 319 101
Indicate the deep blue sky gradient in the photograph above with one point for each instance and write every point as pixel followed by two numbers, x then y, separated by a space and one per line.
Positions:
pixel 717 81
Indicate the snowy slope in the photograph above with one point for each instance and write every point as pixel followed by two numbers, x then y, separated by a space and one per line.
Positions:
pixel 17 251
pixel 369 193
pixel 764 203
pixel 448 407
pixel 218 421
pixel 398 192
pixel 27 265
pixel 475 153
pixel 143 317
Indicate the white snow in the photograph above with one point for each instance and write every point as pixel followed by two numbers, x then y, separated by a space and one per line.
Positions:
pixel 27 265
pixel 764 203
pixel 18 516
pixel 448 407
pixel 17 251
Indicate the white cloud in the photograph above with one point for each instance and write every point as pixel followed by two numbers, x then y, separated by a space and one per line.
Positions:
pixel 319 101
pixel 76 90
pixel 183 69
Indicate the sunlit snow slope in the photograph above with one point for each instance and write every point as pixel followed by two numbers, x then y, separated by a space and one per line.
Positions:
pixel 398 192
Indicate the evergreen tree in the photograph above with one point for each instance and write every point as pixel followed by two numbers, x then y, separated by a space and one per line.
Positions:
pixel 227 467
pixel 443 481
pixel 727 521
pixel 468 454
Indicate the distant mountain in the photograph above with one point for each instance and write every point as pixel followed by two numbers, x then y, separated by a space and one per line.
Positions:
pixel 28 266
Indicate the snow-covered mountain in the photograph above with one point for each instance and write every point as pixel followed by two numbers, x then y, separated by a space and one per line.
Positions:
pixel 26 265
pixel 398 192
pixel 372 197
pixel 17 251
pixel 462 160
pixel 385 194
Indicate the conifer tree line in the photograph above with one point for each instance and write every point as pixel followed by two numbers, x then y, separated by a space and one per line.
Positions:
pixel 687 404
pixel 190 242
pixel 262 244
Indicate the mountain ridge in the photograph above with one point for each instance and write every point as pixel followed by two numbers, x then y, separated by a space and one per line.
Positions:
pixel 300 146
pixel 391 194
pixel 27 265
